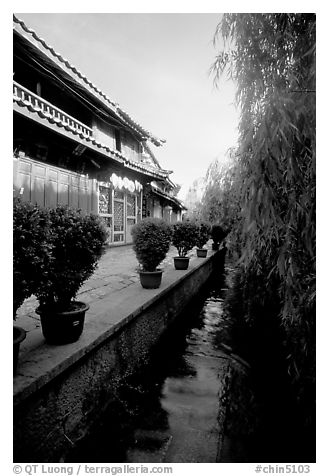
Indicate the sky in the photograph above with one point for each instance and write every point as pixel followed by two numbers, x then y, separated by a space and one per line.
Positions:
pixel 156 66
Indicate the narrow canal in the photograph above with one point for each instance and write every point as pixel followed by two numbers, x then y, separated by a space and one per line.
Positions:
pixel 195 401
pixel 172 410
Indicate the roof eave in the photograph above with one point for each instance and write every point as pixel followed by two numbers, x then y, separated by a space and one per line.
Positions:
pixel 45 49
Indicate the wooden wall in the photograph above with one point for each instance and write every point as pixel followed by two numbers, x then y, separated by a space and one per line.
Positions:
pixel 49 186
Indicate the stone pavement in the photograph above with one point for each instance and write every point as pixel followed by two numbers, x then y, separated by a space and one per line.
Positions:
pixel 117 269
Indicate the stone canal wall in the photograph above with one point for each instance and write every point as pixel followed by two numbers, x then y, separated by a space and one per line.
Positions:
pixel 60 391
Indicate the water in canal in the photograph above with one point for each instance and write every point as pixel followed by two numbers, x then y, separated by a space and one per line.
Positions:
pixel 194 402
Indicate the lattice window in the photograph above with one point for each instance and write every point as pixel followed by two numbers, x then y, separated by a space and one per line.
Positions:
pixel 105 200
pixel 131 205
pixel 119 195
pixel 118 216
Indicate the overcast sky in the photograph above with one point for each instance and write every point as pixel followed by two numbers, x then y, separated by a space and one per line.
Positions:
pixel 156 66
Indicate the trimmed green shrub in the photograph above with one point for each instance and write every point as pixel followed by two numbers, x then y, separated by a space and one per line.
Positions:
pixel 203 233
pixel 77 243
pixel 31 250
pixel 184 236
pixel 151 242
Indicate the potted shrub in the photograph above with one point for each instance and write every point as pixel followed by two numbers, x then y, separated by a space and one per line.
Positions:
pixel 203 232
pixel 217 234
pixel 151 242
pixel 184 239
pixel 77 243
pixel 30 253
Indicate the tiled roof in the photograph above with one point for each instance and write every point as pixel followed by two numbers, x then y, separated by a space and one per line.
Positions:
pixel 170 198
pixel 113 106
pixel 78 132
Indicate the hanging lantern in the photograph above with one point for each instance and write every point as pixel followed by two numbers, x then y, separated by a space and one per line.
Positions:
pixel 131 186
pixel 125 183
pixel 113 179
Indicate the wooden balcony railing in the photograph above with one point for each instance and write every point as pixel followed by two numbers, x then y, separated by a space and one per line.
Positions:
pixel 54 115
pixel 49 111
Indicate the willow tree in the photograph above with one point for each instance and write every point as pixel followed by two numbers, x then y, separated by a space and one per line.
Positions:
pixel 272 59
pixel 220 201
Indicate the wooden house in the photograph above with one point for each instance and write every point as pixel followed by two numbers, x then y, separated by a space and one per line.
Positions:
pixel 73 145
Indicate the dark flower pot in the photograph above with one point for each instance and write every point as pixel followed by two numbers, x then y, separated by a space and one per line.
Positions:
pixel 215 246
pixel 201 252
pixel 181 262
pixel 63 327
pixel 19 336
pixel 150 279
